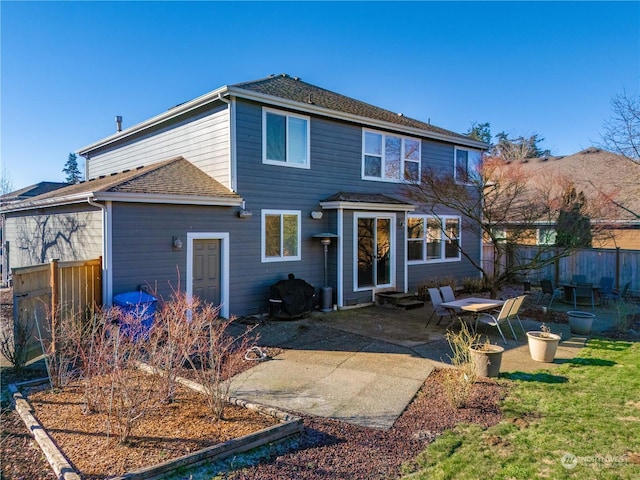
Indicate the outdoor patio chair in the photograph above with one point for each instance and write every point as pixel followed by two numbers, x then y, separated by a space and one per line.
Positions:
pixel 447 293
pixel 436 302
pixel 514 313
pixel 583 290
pixel 548 288
pixel 622 294
pixel 496 319
pixel 605 288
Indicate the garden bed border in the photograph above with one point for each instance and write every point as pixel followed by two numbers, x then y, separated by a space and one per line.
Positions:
pixel 289 425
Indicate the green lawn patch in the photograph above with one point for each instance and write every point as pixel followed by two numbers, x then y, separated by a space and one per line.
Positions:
pixel 581 420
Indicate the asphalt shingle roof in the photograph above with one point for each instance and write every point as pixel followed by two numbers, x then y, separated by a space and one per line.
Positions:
pixel 175 176
pixel 292 88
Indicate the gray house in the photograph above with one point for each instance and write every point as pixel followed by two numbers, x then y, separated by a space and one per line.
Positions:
pixel 228 193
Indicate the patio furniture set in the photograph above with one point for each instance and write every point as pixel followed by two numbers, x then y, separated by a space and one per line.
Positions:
pixel 488 311
pixel 580 292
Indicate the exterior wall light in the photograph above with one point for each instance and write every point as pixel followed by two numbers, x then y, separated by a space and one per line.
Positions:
pixel 317 214
pixel 177 244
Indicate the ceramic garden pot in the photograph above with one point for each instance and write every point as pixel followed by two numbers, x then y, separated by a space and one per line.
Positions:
pixel 543 346
pixel 581 322
pixel 487 359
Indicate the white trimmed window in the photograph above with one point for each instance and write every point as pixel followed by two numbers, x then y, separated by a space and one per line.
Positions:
pixel 285 138
pixel 390 158
pixel 546 236
pixel 433 238
pixel 467 164
pixel 280 235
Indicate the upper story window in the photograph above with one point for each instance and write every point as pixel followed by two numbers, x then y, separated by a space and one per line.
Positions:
pixel 280 235
pixel 433 238
pixel 285 138
pixel 390 158
pixel 467 164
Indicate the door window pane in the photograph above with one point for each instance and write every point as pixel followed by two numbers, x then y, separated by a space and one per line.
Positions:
pixel 383 241
pixel 366 252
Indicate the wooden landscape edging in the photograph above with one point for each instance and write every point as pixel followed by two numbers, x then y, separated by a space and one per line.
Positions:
pixel 54 456
pixel 290 425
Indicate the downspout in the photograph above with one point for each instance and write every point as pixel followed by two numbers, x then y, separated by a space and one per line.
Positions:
pixel 107 284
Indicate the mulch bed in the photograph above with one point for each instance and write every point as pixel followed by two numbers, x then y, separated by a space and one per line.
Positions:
pixel 326 448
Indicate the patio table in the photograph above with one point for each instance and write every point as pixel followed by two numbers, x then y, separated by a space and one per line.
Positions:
pixel 474 305
pixel 568 294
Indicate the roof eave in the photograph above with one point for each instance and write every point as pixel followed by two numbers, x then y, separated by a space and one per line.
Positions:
pixel 168 199
pixel 49 202
pixel 388 207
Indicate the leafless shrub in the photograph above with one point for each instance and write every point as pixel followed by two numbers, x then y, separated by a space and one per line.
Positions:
pixel 214 355
pixel 14 345
pixel 459 381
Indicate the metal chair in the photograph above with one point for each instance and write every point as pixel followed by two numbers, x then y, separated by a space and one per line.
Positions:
pixel 447 293
pixel 436 302
pixel 549 289
pixel 496 320
pixel 583 290
pixel 515 310
pixel 605 289
pixel 622 294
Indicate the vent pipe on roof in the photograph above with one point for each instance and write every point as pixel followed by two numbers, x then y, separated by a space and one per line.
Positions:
pixel 118 123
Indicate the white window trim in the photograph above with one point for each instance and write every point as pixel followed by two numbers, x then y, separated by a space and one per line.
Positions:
pixel 263 236
pixel 455 159
pixel 392 248
pixel 402 159
pixel 442 219
pixel 287 115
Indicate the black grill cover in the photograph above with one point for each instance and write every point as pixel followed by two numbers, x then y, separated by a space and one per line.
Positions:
pixel 297 297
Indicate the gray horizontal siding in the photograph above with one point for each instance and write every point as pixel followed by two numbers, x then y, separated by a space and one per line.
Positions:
pixel 68 234
pixel 202 139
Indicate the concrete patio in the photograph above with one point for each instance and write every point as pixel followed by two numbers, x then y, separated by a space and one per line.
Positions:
pixel 365 365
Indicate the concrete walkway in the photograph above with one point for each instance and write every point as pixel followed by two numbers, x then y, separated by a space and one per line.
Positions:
pixel 364 366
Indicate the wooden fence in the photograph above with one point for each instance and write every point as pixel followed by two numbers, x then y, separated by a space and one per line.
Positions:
pixel 61 288
pixel 622 265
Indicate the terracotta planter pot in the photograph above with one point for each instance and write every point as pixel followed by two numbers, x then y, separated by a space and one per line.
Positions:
pixel 580 322
pixel 543 348
pixel 487 359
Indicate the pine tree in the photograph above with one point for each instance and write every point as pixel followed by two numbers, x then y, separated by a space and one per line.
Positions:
pixel 71 169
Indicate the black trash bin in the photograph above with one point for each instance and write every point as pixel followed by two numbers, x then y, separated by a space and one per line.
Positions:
pixel 142 306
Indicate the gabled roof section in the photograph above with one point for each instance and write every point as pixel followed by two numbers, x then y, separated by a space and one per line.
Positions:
pixel 173 181
pixel 291 92
pixel 294 89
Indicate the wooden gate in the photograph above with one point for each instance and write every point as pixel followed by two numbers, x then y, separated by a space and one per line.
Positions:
pixel 42 293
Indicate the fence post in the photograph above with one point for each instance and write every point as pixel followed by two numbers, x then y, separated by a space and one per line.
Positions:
pixel 55 299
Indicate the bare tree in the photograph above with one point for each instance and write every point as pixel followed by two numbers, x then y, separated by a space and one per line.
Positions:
pixel 499 196
pixel 622 131
pixel 6 185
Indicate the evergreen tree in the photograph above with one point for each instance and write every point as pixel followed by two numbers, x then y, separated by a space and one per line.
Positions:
pixel 71 169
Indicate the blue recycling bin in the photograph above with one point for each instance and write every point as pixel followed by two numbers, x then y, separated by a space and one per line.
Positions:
pixel 138 304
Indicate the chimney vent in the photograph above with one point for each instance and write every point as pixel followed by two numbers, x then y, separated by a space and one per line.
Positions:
pixel 118 123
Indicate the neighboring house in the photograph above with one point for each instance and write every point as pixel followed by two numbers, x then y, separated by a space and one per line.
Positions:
pixel 226 194
pixel 14 197
pixel 611 186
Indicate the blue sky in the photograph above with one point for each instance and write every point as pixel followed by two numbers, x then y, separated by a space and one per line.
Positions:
pixel 551 68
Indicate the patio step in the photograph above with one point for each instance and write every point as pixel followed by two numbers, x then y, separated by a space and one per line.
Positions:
pixel 407 301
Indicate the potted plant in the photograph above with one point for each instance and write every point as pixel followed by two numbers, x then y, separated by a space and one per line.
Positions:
pixel 543 344
pixel 486 358
pixel 580 322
